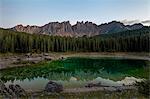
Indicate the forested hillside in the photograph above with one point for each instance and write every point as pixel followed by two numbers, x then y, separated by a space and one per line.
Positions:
pixel 128 41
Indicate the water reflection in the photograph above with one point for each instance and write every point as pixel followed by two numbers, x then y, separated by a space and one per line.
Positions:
pixel 30 85
pixel 38 84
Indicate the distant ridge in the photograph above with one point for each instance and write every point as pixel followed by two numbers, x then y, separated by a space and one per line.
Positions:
pixel 77 30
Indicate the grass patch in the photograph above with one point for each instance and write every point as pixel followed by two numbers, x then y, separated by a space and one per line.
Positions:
pixel 127 94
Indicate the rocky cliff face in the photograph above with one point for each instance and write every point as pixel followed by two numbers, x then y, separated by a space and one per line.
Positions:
pixel 56 28
pixel 79 29
pixel 28 29
pixel 112 27
pixel 87 28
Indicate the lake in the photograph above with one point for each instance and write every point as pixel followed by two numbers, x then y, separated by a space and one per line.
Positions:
pixel 76 72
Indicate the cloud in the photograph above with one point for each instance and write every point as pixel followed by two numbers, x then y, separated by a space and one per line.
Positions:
pixel 130 22
pixel 146 22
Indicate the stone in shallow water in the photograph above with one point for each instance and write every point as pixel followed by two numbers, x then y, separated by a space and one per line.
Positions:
pixel 53 87
pixel 73 79
pixel 105 82
pixel 108 82
pixel 129 81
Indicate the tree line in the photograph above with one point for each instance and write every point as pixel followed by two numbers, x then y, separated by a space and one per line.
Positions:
pixel 128 41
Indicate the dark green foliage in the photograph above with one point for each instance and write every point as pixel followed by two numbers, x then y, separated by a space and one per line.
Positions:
pixel 129 41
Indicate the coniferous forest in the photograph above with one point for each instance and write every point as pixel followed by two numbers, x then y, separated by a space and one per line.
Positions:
pixel 127 41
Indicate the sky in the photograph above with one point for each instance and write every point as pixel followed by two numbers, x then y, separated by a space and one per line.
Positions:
pixel 40 12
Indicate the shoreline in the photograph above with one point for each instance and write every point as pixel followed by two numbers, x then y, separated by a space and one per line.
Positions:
pixel 77 92
pixel 18 60
pixel 88 90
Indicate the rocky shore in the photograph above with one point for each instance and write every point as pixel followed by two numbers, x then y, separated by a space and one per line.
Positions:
pixel 24 59
pixel 53 88
pixel 11 91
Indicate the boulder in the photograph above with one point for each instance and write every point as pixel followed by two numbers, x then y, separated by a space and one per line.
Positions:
pixel 53 87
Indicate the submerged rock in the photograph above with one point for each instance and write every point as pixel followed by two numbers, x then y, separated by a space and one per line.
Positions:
pixel 53 87
pixel 109 82
pixel 129 81
pixel 73 79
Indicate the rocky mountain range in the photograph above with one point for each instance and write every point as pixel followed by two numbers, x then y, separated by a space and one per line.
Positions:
pixel 79 29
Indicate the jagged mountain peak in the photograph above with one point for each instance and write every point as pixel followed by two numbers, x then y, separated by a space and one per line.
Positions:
pixel 79 29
